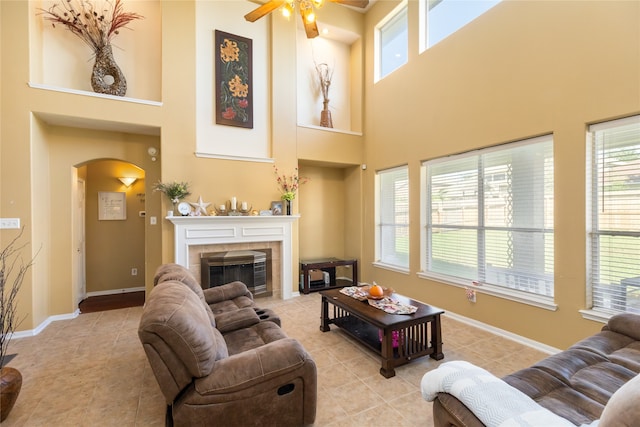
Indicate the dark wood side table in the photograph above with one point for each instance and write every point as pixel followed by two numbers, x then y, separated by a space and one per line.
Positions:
pixel 329 265
pixel 397 338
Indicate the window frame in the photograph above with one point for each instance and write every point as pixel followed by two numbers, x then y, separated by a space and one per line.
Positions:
pixel 537 300
pixel 593 231
pixel 424 10
pixel 379 209
pixel 402 7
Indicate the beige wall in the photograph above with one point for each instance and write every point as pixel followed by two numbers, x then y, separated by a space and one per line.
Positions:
pixel 48 133
pixel 525 68
pixel 114 247
pixel 501 78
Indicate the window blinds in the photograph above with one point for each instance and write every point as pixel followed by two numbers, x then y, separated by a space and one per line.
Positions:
pixel 393 216
pixel 614 235
pixel 490 216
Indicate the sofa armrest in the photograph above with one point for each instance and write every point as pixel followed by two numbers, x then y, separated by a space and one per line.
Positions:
pixel 450 412
pixel 626 324
pixel 225 292
pixel 236 319
pixel 263 364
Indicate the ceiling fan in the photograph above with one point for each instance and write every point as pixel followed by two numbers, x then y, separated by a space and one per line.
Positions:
pixel 307 11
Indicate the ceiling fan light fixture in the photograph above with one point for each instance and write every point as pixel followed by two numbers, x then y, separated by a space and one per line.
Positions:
pixel 311 17
pixel 287 9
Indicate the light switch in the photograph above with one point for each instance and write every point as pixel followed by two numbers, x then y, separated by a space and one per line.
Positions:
pixel 9 222
pixel 153 220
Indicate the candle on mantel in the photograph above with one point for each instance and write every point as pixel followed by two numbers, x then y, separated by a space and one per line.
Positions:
pixel 233 203
pixel 222 207
pixel 244 206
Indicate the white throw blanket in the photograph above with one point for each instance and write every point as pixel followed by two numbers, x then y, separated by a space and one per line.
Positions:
pixel 492 400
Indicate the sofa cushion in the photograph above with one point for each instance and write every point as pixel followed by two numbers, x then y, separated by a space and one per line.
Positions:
pixel 178 338
pixel 252 337
pixel 575 384
pixel 180 274
pixel 231 305
pixel 626 324
pixel 622 409
pixel 236 319
pixel 228 291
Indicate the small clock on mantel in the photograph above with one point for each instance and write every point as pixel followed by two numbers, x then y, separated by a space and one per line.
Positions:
pixel 184 208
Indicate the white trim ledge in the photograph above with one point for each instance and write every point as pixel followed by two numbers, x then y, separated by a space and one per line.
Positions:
pixel 596 315
pixel 506 334
pixel 94 94
pixel 539 301
pixel 322 128
pixel 33 332
pixel 115 291
pixel 237 158
pixel 391 267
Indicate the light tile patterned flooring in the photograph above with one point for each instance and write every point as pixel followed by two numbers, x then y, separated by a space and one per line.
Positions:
pixel 92 371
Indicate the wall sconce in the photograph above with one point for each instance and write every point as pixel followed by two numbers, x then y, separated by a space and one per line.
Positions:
pixel 127 181
pixel 153 152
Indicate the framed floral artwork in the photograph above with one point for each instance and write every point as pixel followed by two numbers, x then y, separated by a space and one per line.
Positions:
pixel 234 90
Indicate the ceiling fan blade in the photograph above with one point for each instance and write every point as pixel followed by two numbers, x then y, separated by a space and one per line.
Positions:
pixel 311 28
pixel 263 10
pixel 354 3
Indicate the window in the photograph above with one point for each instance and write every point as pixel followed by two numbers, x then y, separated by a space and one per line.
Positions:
pixel 392 216
pixel 488 218
pixel 614 216
pixel 392 39
pixel 445 17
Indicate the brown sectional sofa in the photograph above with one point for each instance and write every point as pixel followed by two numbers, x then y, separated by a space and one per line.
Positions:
pixel 575 384
pixel 231 369
pixel 227 298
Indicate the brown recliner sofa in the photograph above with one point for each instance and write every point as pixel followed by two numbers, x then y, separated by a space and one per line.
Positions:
pixel 575 384
pixel 222 300
pixel 251 375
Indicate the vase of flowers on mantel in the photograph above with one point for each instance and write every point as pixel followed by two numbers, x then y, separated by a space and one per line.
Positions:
pixel 175 191
pixel 288 186
pixel 96 27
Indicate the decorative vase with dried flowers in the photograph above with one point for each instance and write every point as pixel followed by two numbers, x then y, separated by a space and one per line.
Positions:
pixel 288 186
pixel 11 265
pixel 325 74
pixel 96 26
pixel 175 191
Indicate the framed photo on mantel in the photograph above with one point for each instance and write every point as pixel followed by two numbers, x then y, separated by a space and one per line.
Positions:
pixel 234 80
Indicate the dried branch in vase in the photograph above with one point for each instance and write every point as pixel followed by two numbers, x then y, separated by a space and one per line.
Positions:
pixel 325 74
pixel 93 25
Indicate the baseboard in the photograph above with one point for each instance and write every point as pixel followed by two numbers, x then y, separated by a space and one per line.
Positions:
pixel 43 325
pixel 115 291
pixel 505 334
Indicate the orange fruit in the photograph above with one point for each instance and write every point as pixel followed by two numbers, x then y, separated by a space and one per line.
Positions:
pixel 376 291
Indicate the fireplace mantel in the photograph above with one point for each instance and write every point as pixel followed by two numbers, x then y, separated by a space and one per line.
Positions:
pixel 211 230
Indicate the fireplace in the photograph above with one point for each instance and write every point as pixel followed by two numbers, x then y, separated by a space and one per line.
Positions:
pixel 253 268
pixel 195 236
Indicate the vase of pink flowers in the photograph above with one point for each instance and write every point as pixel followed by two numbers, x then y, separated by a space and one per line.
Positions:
pixel 288 186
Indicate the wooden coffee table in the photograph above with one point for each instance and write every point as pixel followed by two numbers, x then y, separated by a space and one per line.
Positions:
pixel 398 338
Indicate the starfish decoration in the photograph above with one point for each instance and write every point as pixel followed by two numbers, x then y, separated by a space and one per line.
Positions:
pixel 200 207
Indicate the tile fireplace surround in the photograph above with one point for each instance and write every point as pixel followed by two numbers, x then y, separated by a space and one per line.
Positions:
pixel 194 235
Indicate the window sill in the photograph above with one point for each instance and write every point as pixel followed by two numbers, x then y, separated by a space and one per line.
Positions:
pixel 391 267
pixel 539 301
pixel 601 316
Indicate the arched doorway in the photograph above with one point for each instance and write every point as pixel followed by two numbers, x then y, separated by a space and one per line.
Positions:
pixel 109 234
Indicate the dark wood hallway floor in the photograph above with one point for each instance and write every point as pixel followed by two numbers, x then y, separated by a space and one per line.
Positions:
pixel 111 302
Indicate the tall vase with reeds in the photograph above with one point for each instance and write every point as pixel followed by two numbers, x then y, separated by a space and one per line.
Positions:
pixel 96 26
